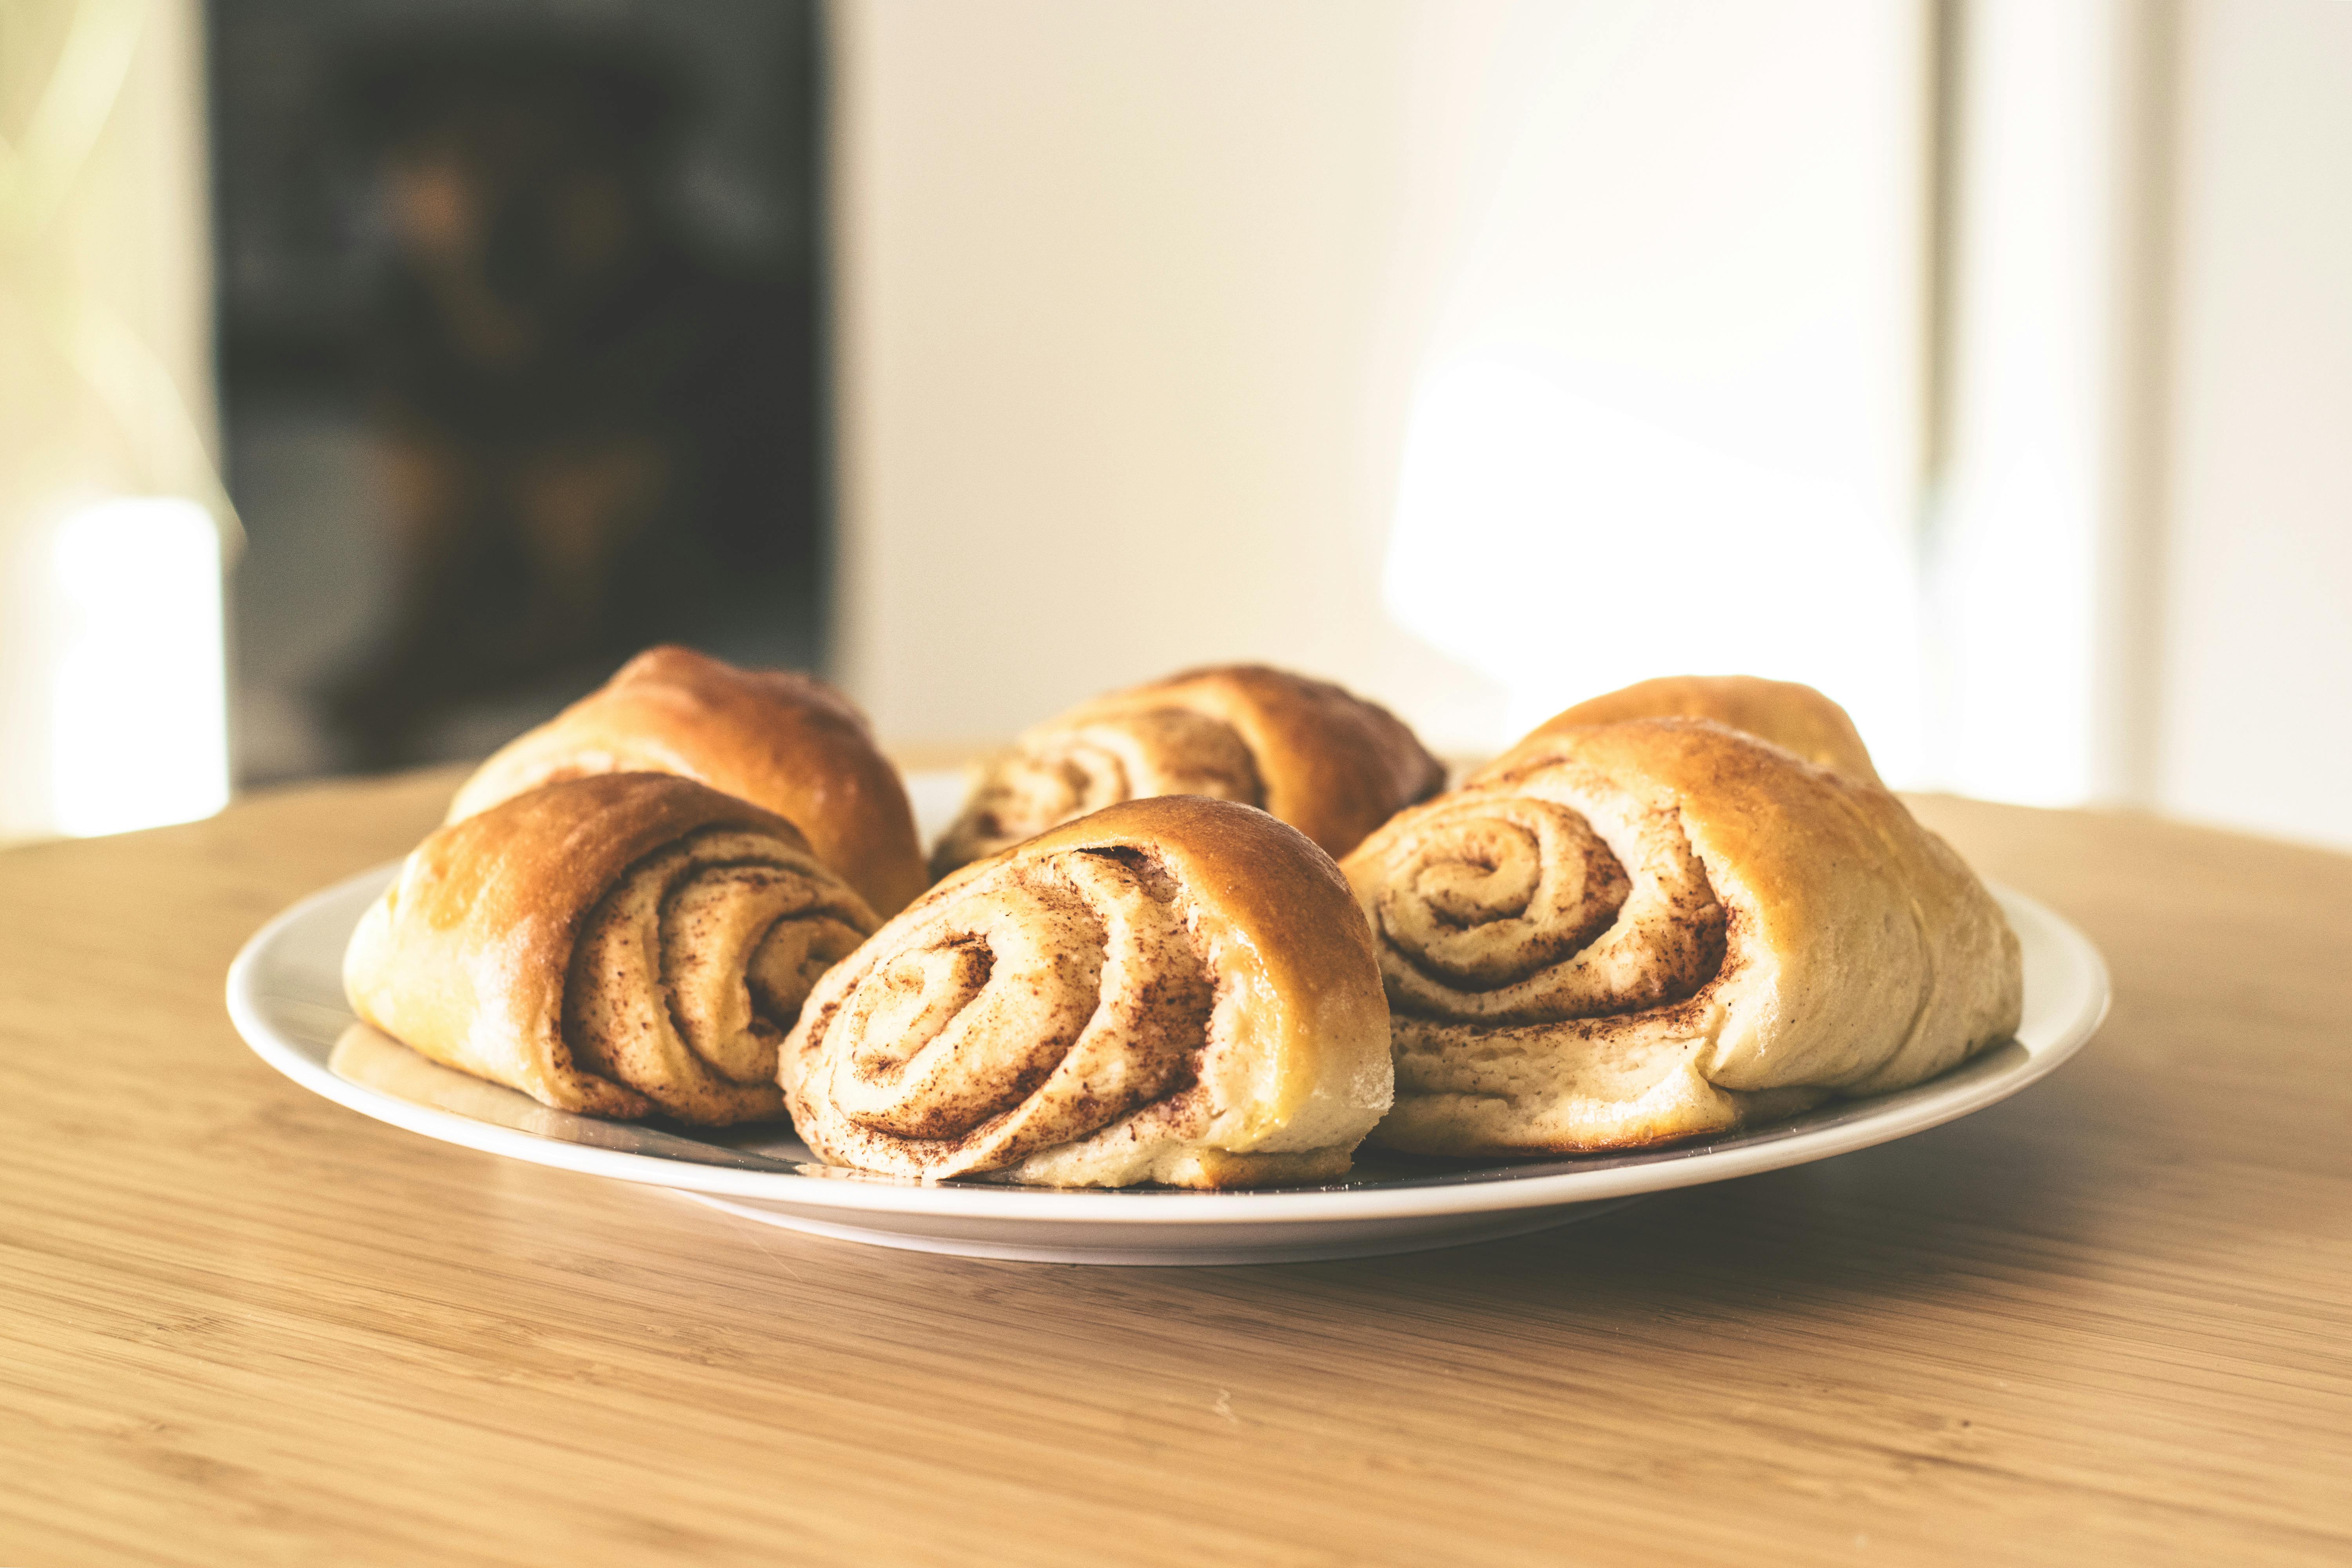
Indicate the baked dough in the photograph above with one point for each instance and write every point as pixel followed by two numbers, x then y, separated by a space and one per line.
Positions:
pixel 1793 717
pixel 1329 764
pixel 1174 990
pixel 776 738
pixel 1625 934
pixel 619 944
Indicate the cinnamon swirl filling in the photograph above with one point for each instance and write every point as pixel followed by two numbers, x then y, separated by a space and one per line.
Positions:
pixel 1037 1008
pixel 1175 990
pixel 1629 934
pixel 1549 953
pixel 1510 910
pixel 689 972
pixel 620 944
pixel 1059 774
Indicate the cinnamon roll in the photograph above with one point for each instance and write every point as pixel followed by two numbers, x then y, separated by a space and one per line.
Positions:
pixel 1329 764
pixel 1175 990
pixel 620 944
pixel 776 738
pixel 1629 933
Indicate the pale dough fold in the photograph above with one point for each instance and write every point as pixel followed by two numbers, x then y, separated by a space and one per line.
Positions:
pixel 1793 717
pixel 779 738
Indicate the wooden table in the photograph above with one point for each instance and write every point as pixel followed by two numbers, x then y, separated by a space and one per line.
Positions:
pixel 2107 1320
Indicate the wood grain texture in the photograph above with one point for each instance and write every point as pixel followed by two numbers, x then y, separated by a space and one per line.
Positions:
pixel 2106 1320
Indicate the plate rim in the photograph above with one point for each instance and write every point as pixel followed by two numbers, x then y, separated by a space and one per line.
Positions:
pixel 1662 1170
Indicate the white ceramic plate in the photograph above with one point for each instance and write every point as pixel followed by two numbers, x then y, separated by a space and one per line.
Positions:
pixel 286 996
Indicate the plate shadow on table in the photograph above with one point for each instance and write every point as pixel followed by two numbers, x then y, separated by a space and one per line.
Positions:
pixel 2021 1198
pixel 2011 1185
pixel 1970 1206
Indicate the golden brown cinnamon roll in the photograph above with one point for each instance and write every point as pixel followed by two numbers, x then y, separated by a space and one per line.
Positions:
pixel 776 738
pixel 1793 717
pixel 1331 764
pixel 620 944
pixel 1176 990
pixel 1629 934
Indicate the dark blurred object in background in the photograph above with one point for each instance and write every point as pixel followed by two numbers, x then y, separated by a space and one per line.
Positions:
pixel 566 397
pixel 575 377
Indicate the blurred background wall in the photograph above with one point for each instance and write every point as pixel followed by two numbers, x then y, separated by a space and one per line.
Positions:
pixel 1982 362
pixel 2256 651
pixel 1979 362
pixel 1154 316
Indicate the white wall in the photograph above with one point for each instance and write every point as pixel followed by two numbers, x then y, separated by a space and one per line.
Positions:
pixel 2041 521
pixel 1111 276
pixel 2258 615
pixel 1668 415
pixel 1141 300
pixel 1484 355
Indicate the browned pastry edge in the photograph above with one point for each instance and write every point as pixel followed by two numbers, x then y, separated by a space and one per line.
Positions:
pixel 1335 766
pixel 1254 866
pixel 781 740
pixel 1793 717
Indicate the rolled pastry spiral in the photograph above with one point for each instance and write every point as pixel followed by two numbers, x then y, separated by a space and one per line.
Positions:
pixel 1629 934
pixel 1329 764
pixel 1174 990
pixel 620 944
pixel 776 738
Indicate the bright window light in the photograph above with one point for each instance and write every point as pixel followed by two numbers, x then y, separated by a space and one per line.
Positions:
pixel 1665 419
pixel 2037 384
pixel 1563 547
pixel 140 732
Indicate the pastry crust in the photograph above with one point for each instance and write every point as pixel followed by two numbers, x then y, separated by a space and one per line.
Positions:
pixel 618 944
pixel 776 738
pixel 1793 717
pixel 1174 990
pixel 1329 764
pixel 1629 934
